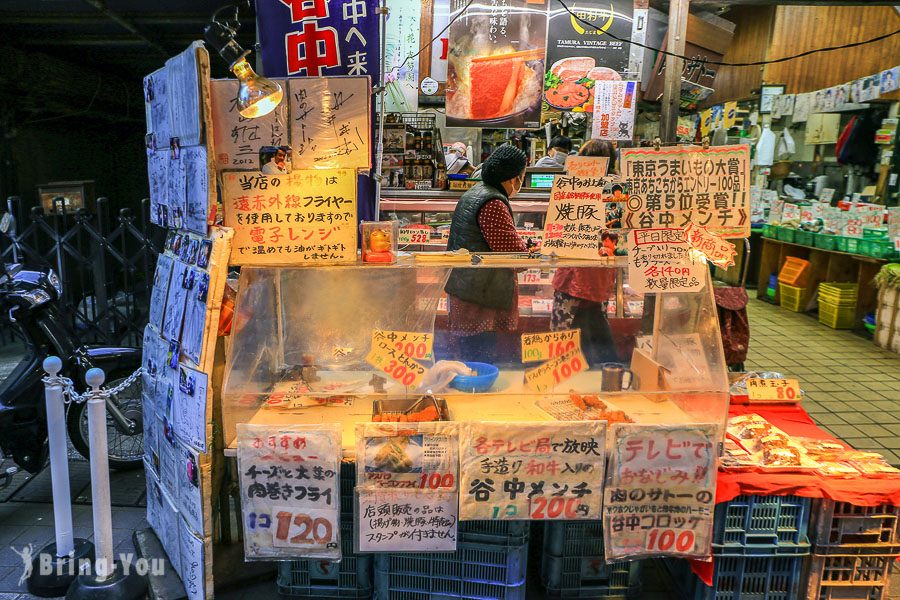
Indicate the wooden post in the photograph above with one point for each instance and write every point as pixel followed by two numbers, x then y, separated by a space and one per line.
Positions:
pixel 678 18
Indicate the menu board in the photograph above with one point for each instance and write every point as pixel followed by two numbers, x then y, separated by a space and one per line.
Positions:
pixel 660 491
pixel 302 218
pixel 674 187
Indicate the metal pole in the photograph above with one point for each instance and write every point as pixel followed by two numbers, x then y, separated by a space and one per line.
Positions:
pixel 383 11
pixel 102 511
pixel 676 37
pixel 59 460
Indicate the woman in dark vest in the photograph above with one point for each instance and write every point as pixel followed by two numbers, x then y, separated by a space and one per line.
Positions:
pixel 485 301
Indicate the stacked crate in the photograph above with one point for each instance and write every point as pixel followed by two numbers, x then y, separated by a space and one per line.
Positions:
pixel 573 564
pixel 316 578
pixel 760 544
pixel 854 547
pixel 490 563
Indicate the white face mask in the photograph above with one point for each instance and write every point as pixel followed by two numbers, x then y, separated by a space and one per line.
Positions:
pixel 513 186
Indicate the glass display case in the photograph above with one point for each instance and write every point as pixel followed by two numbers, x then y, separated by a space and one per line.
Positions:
pixel 304 344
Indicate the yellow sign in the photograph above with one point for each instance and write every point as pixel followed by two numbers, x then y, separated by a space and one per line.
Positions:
pixel 557 371
pixel 397 365
pixel 301 218
pixel 773 390
pixel 538 347
pixel 419 346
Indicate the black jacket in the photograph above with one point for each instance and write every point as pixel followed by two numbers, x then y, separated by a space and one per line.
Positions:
pixel 493 288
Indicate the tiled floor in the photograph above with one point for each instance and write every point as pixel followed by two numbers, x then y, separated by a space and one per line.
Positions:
pixel 852 386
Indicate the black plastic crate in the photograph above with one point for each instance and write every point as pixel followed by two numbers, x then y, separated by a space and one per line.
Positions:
pixel 313 578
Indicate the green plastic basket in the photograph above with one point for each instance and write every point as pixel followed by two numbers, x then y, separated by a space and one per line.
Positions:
pixel 769 231
pixel 876 248
pixel 804 238
pixel 786 234
pixel 848 244
pixel 826 241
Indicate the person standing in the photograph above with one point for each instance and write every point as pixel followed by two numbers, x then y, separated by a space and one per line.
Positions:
pixel 559 149
pixel 483 301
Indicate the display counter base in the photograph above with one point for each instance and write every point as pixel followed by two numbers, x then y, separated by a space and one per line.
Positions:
pixel 167 586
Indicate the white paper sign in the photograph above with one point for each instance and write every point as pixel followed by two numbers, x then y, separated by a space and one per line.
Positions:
pixel 157 109
pixel 183 94
pixel 662 261
pixel 239 139
pixel 169 529
pixel 615 105
pixel 407 522
pixel 190 500
pixel 154 501
pixel 198 181
pixel 191 554
pixel 158 175
pixel 330 122
pixel 176 301
pixel 190 407
pixel 195 317
pixel 160 289
pixel 802 107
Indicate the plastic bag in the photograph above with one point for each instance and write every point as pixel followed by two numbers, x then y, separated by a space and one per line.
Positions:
pixel 438 377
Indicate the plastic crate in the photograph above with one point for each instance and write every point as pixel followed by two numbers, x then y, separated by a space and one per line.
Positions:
pixel 348 486
pixel 787 234
pixel 762 521
pixel 494 532
pixel 315 578
pixel 838 576
pixel 841 524
pixel 841 294
pixel 826 241
pixel 804 238
pixel 837 317
pixel 848 244
pixel 492 571
pixel 769 231
pixel 795 272
pixel 876 248
pixel 875 233
pixel 741 578
pixel 791 297
pixel 574 538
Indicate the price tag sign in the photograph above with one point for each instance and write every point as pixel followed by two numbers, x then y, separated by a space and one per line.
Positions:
pixel 419 346
pixel 773 390
pixel 530 277
pixel 554 372
pixel 541 306
pixel 303 528
pixel 414 235
pixel 539 347
pixel 397 365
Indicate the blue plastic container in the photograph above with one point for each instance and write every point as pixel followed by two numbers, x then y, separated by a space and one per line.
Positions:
pixel 774 577
pixel 762 521
pixel 481 382
pixel 313 578
pixel 508 533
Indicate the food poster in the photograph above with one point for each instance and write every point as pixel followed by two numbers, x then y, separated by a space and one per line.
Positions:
pixel 615 107
pixel 582 50
pixel 402 41
pixel 495 68
pixel 531 471
pixel 290 493
pixel 660 491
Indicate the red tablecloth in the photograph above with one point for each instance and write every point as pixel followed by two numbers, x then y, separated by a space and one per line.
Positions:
pixel 793 420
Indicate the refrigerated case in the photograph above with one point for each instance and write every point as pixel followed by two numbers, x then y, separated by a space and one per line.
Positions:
pixel 301 338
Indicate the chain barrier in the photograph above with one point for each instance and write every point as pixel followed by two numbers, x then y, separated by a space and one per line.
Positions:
pixel 71 395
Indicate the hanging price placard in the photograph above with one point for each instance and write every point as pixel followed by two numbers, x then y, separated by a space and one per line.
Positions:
pixel 552 373
pixel 419 346
pixel 396 364
pixel 773 390
pixel 538 347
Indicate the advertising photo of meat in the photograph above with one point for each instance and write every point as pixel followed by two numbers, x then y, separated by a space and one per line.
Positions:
pixel 569 83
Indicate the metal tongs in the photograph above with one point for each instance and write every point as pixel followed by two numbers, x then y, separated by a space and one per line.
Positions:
pixel 424 398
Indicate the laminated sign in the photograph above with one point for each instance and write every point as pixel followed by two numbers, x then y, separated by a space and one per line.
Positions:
pixel 663 261
pixel 676 186
pixel 539 471
pixel 660 491
pixel 307 217
pixel 290 498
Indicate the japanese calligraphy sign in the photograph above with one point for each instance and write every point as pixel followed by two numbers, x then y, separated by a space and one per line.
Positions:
pixel 407 456
pixel 192 563
pixel 407 522
pixel 289 490
pixel 401 40
pixel 773 390
pixel 660 491
pixel 190 407
pixel 615 106
pixel 313 38
pixel 677 186
pixel 419 346
pixel 301 218
pixel 538 347
pixel 238 139
pixel 557 371
pixel 716 250
pixel 330 122
pixel 540 471
pixel 398 365
pixel 581 207
pixel 662 261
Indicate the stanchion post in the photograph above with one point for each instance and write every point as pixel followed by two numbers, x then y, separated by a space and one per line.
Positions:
pixel 56 565
pixel 108 579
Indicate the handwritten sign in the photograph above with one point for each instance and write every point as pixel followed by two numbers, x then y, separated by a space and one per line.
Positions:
pixel 330 122
pixel 190 500
pixel 302 218
pixel 419 346
pixel 677 186
pixel 289 491
pixel 773 390
pixel 192 564
pixel 660 491
pixel 161 278
pixel 538 347
pixel 403 522
pixel 415 234
pixel 581 207
pixel 716 250
pixel 661 261
pixel 238 139
pixel 190 407
pixel 399 366
pixel 615 106
pixel 180 285
pixel 539 471
pixel 557 371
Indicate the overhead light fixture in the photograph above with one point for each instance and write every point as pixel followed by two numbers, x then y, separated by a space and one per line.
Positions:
pixel 257 96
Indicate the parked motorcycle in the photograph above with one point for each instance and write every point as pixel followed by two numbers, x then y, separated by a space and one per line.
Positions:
pixel 29 302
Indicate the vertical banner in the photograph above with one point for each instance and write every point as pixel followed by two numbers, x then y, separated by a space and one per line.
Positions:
pixel 677 186
pixel 495 69
pixel 319 37
pixel 537 471
pixel 660 491
pixel 582 49
pixel 615 106
pixel 402 42
pixel 290 498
